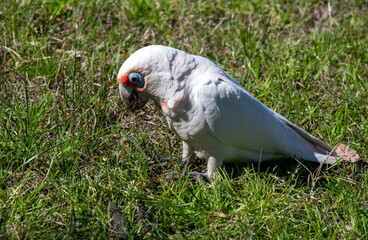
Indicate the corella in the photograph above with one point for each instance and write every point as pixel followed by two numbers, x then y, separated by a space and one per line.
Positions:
pixel 211 112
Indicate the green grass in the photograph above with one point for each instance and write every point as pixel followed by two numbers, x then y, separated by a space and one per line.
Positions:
pixel 67 147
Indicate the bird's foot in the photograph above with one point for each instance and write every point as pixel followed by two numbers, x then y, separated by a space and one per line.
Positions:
pixel 200 176
pixel 165 159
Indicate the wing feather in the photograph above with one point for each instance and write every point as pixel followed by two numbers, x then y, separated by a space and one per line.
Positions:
pixel 238 119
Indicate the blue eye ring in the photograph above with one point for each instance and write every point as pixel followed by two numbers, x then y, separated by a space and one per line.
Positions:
pixel 137 79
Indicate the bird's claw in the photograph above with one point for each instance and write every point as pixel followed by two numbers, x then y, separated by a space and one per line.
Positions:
pixel 200 176
pixel 165 159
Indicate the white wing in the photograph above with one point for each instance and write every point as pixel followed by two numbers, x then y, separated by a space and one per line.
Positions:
pixel 239 120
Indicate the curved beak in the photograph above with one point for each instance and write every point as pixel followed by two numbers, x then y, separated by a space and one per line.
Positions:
pixel 131 97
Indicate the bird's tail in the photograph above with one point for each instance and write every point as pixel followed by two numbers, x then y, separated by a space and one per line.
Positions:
pixel 326 158
pixel 321 153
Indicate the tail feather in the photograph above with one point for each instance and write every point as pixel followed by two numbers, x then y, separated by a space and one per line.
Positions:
pixel 320 145
pixel 327 159
pixel 323 152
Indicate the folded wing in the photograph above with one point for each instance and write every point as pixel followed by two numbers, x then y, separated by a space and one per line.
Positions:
pixel 239 120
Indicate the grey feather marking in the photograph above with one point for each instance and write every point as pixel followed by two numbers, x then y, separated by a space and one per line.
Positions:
pixel 320 145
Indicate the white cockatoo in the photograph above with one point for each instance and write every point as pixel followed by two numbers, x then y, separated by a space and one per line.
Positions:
pixel 211 112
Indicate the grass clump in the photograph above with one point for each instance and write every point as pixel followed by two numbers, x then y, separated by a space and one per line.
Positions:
pixel 68 148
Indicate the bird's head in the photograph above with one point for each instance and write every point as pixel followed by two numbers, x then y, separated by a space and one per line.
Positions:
pixel 130 88
pixel 144 75
pixel 133 78
pixel 153 72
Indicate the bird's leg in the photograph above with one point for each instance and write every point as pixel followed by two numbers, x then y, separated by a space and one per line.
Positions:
pixel 188 154
pixel 212 163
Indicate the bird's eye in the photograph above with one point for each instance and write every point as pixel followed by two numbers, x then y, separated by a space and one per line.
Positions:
pixel 137 79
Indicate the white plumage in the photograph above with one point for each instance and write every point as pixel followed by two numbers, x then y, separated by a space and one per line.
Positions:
pixel 211 112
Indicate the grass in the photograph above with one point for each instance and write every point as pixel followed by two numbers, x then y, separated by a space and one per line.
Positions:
pixel 67 147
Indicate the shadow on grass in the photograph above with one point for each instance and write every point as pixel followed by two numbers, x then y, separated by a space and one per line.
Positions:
pixel 281 168
pixel 303 171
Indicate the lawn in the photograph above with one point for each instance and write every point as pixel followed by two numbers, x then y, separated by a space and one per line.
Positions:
pixel 70 152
